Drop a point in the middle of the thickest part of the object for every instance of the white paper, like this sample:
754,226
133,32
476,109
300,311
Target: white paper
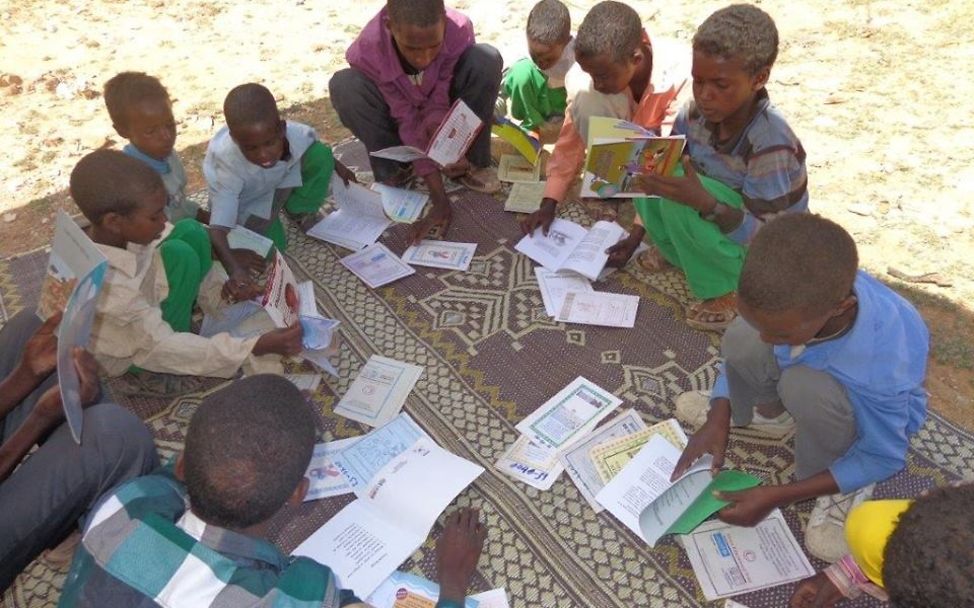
569,415
733,604
360,462
455,134
516,168
325,479
440,254
525,197
245,238
730,560
402,589
599,308
554,285
401,205
379,391
305,382
359,220
569,246
536,465
403,154
579,464
495,598
377,266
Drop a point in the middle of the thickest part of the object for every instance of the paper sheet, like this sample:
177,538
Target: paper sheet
403,154
359,220
359,463
377,266
599,308
554,285
612,456
495,598
454,135
401,205
536,465
379,391
516,168
245,238
440,254
525,197
404,590
305,382
325,480
569,415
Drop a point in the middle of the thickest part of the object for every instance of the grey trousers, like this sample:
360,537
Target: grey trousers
60,481
825,425
362,109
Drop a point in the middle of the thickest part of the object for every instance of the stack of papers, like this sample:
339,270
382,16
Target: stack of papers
379,391
359,220
377,266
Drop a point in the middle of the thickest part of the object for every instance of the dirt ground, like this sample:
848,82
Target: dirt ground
877,91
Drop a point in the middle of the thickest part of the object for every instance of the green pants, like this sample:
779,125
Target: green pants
532,102
711,261
317,165
187,256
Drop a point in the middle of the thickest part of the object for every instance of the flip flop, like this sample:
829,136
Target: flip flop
481,179
652,261
703,318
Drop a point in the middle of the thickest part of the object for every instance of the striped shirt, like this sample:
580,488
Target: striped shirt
765,162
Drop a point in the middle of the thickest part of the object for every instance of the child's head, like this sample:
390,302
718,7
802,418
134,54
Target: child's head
797,277
255,123
608,46
733,51
549,30
247,448
121,196
417,27
141,112
929,559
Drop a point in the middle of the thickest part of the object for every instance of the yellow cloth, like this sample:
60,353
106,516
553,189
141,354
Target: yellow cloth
867,530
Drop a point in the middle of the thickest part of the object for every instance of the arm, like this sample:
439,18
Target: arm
240,283
37,362
882,443
567,160
457,553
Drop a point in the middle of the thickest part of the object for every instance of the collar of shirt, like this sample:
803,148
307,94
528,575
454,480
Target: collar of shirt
241,548
159,166
134,259
730,144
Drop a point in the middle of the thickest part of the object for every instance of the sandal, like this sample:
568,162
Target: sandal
481,179
652,261
714,314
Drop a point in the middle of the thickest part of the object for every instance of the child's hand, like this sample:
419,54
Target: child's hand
620,253
686,190
542,218
240,286
457,169
748,507
49,407
457,553
285,342
345,173
250,260
815,592
40,352
711,439
434,225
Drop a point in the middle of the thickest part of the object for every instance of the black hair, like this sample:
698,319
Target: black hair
250,104
107,181
421,13
549,22
929,558
610,28
799,262
739,30
247,448
126,89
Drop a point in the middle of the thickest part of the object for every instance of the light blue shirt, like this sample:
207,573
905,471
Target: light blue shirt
238,188
881,361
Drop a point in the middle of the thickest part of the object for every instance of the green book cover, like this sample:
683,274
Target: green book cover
707,504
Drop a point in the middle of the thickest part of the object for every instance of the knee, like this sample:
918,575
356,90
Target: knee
742,344
118,442
486,61
801,386
346,89
181,261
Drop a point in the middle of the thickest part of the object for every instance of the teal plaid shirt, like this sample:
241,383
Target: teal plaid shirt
134,554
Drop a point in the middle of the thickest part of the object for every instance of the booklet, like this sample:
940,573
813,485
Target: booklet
618,151
401,205
536,465
241,237
642,497
554,286
440,254
525,143
75,275
525,197
569,415
379,391
610,457
280,297
324,477
513,168
495,598
730,560
570,247
359,220
404,590
578,461
599,308
403,481
449,143
377,266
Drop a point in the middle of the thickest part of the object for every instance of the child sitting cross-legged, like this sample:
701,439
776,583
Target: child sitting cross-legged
823,348
145,309
195,534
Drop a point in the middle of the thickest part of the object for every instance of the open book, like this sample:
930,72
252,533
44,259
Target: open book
525,143
571,247
403,481
642,497
451,141
75,274
618,151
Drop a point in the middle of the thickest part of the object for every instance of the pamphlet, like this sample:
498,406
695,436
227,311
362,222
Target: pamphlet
611,457
536,465
730,560
379,391
401,205
554,286
280,297
642,497
377,266
570,247
440,254
495,598
569,415
514,168
599,308
359,219
324,477
404,590
241,237
525,143
618,151
451,141
525,197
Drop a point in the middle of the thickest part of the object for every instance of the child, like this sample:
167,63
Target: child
617,75
833,347
43,497
915,553
256,165
141,112
204,521
144,312
536,86
409,64
744,165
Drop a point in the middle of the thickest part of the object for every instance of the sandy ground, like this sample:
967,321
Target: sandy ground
877,91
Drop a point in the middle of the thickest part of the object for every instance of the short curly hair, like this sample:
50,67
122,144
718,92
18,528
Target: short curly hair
421,13
126,89
929,559
108,181
250,104
549,22
739,30
610,28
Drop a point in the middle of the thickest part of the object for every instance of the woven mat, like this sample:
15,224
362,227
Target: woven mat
492,356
